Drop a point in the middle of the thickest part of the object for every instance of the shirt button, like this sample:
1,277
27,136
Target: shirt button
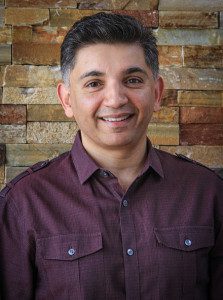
104,173
188,242
130,252
125,202
71,251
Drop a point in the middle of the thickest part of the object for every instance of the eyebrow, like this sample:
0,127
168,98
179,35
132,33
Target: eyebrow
135,70
91,73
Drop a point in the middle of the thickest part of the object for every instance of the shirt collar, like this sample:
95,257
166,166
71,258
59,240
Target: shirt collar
86,166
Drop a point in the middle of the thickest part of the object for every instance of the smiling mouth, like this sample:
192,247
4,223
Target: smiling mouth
116,119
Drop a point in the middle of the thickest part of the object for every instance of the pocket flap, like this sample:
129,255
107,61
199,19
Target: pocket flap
186,238
70,246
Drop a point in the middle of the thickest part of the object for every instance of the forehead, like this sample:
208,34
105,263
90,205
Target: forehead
109,57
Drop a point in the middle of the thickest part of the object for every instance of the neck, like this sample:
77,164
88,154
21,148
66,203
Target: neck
125,163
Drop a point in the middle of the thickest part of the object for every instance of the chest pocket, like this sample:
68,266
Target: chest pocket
64,259
183,257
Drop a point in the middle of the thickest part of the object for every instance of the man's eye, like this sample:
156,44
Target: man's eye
93,84
134,80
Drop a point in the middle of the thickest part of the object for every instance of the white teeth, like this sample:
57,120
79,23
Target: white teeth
115,119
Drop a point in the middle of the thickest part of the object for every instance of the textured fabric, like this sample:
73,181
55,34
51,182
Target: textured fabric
69,232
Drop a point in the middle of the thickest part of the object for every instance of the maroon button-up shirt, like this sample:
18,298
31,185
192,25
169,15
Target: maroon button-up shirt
68,231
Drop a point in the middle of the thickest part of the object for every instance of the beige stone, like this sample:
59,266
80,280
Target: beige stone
142,5
42,3
170,56
15,95
188,19
2,185
118,4
5,35
29,154
51,132
192,79
211,156
191,5
67,17
5,54
32,76
200,98
2,174
12,134
2,72
163,134
166,115
26,16
12,172
2,15
53,113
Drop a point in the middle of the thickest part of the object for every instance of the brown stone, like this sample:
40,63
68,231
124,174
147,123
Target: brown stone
196,115
192,79
211,156
200,98
188,19
170,56
147,18
43,95
5,35
12,172
42,3
169,98
67,17
191,5
5,54
21,34
163,134
166,115
12,114
29,154
51,132
2,154
203,56
11,134
118,4
26,16
201,134
31,76
36,54
52,113
2,72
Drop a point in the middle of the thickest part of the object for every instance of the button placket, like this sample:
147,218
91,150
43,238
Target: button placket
71,251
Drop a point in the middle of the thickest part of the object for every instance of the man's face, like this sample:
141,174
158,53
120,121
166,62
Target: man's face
112,95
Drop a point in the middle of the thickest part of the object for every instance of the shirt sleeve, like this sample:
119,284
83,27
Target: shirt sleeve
16,263
216,257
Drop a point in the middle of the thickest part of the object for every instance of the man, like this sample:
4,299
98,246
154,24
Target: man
113,218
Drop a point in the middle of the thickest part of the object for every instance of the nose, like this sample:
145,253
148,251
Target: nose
115,95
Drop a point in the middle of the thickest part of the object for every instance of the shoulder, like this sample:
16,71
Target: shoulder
33,172
182,163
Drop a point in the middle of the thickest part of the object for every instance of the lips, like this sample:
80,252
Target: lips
115,119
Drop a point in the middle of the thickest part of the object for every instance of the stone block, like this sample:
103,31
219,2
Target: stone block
196,115
188,19
29,154
2,154
50,113
163,134
2,73
2,16
211,156
192,79
2,175
22,34
32,76
12,114
189,36
51,132
5,54
170,56
191,5
221,19
169,98
1,95
13,134
203,56
26,16
67,17
36,54
42,3
2,2
147,18
201,134
118,4
200,98
166,115
17,95
1,186
12,172
5,35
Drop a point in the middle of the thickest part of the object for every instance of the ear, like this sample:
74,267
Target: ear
63,93
159,87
